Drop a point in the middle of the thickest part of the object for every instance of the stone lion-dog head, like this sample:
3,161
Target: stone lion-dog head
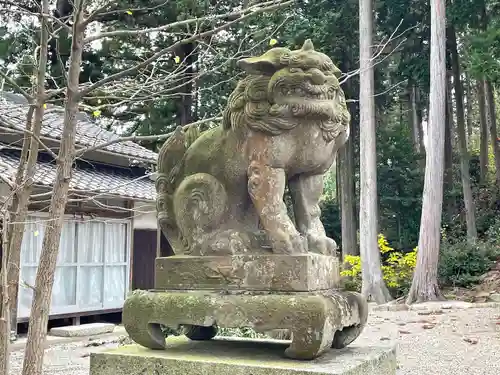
284,87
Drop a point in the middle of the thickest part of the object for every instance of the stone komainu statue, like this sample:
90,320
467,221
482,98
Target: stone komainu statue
240,260
283,125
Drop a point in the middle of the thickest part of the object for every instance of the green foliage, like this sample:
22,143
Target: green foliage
236,332
484,53
397,269
493,234
400,184
330,216
167,331
333,27
240,332
462,263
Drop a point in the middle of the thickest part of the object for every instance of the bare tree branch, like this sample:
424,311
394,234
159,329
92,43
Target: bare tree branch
13,83
211,18
382,46
157,55
103,12
36,137
26,12
136,138
390,88
176,80
35,8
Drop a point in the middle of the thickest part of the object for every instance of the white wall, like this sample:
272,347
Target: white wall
145,215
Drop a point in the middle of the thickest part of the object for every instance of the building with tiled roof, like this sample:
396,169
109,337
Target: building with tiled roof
109,239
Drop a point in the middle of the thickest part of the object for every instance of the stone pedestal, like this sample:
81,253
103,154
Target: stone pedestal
253,272
239,357
317,321
196,295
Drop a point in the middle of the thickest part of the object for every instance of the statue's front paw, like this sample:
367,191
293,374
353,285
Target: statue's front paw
284,243
229,242
321,244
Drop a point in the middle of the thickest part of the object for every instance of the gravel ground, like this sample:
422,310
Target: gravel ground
450,342
62,359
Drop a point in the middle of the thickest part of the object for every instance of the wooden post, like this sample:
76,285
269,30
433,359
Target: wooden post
130,205
158,241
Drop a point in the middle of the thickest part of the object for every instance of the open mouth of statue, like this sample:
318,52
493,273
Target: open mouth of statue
309,92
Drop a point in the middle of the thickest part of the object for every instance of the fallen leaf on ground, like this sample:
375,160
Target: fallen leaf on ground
471,340
435,312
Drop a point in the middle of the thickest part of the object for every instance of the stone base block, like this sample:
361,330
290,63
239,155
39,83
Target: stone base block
255,272
82,330
239,357
317,321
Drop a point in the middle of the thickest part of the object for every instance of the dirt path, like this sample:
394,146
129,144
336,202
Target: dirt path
450,342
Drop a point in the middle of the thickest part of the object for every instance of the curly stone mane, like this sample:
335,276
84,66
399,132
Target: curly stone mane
277,94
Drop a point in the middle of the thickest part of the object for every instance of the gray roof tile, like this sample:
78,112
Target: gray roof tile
92,179
13,111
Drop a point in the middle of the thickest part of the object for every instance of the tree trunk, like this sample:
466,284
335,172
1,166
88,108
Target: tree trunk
5,311
421,161
425,284
26,172
448,146
37,331
185,103
349,240
373,284
450,206
347,189
492,119
18,207
420,125
22,197
483,141
415,120
451,112
470,99
470,210
8,305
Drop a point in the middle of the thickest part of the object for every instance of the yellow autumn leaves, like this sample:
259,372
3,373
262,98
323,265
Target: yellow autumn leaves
397,267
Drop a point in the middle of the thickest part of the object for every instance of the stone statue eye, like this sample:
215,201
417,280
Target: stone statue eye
295,70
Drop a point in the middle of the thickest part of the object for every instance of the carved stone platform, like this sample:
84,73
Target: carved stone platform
233,356
318,321
254,272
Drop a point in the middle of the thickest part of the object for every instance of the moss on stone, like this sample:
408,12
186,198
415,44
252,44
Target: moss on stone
237,357
312,318
258,272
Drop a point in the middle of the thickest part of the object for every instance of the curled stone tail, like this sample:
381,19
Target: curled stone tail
170,159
